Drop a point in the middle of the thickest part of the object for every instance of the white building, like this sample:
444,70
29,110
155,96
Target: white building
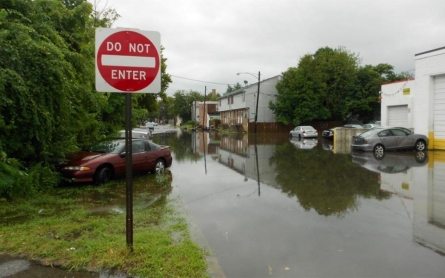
429,104
238,108
419,104
397,102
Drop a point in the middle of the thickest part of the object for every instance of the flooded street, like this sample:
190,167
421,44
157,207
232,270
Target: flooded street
270,206
275,207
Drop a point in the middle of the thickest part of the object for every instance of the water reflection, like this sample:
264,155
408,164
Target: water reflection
148,190
320,208
391,162
304,143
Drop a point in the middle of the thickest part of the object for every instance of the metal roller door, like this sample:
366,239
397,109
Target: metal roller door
398,115
439,112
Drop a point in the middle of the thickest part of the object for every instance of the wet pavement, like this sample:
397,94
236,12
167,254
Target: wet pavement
269,206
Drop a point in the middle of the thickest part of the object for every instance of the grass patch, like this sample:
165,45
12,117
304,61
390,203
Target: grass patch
60,230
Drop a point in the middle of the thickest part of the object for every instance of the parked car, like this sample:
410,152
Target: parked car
381,139
136,133
304,132
105,159
369,126
150,125
391,163
372,124
329,133
304,143
353,126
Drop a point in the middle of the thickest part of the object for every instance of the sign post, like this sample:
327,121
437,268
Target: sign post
128,61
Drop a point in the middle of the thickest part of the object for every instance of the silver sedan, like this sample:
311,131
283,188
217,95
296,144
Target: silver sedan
304,132
381,139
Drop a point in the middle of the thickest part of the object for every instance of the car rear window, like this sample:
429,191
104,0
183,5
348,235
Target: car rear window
367,133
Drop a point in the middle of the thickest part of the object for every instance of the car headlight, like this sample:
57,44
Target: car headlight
76,168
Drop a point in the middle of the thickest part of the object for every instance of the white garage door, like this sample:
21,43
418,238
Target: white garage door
439,110
398,115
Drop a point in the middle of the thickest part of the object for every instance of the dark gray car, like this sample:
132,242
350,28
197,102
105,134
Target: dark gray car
381,139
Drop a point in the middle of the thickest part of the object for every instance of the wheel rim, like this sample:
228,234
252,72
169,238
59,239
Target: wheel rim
420,146
159,167
378,151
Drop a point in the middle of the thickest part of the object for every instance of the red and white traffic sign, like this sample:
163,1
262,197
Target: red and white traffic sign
128,60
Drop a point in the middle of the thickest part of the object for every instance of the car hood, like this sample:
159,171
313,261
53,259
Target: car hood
83,156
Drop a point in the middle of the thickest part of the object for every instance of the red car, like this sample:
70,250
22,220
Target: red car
106,159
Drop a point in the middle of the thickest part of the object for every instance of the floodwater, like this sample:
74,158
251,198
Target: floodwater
270,206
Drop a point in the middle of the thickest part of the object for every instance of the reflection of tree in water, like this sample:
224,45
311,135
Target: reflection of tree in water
329,183
181,146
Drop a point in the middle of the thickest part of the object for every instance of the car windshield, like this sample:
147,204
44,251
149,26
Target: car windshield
108,146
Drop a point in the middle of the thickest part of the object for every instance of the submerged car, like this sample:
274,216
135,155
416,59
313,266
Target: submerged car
304,132
105,159
329,133
379,140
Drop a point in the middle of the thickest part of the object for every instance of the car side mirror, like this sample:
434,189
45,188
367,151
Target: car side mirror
122,154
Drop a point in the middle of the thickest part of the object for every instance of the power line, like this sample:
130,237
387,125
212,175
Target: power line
201,80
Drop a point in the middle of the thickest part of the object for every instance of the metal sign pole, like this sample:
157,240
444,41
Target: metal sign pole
129,171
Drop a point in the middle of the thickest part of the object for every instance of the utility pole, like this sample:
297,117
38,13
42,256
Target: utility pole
257,100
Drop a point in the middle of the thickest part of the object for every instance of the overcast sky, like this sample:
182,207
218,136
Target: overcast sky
207,41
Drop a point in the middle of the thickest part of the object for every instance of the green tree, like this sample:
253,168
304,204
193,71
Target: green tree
232,88
331,85
317,88
182,103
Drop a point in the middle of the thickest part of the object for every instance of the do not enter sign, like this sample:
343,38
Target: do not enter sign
128,61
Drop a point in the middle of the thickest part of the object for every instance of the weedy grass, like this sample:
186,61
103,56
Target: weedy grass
60,231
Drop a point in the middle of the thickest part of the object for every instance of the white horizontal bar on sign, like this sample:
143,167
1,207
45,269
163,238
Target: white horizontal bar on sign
128,61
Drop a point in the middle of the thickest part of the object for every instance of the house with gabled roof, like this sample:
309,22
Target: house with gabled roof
238,108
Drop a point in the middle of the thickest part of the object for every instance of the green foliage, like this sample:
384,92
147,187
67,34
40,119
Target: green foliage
232,88
331,85
48,102
182,103
9,173
16,183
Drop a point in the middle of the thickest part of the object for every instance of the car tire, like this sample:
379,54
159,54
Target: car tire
420,145
103,175
299,136
379,151
159,166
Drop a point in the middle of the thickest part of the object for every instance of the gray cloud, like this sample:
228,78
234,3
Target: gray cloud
211,41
